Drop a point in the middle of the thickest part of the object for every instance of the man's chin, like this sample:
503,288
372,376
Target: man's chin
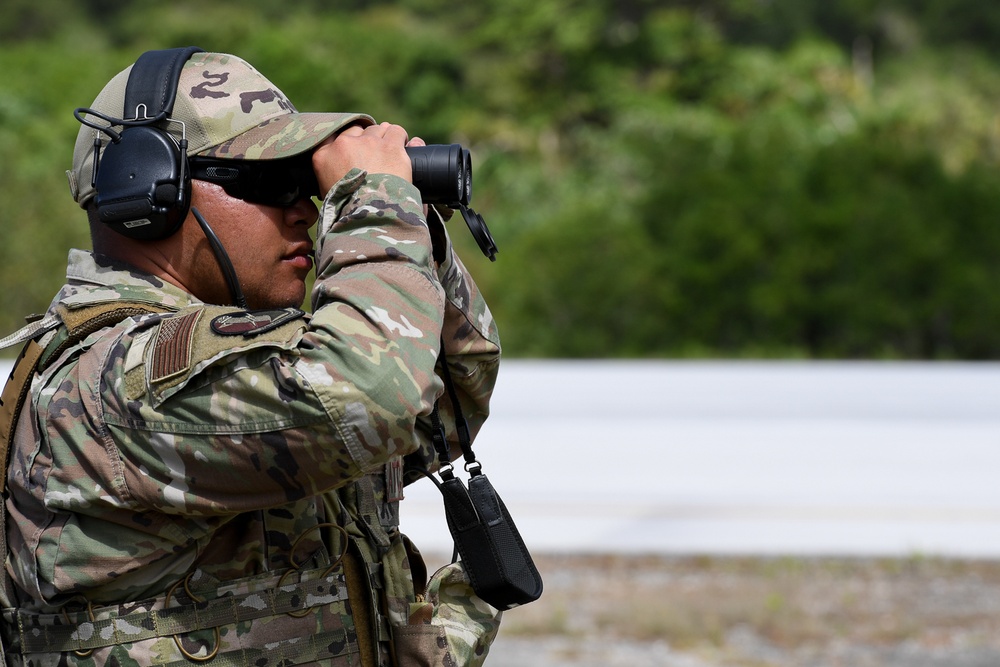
273,301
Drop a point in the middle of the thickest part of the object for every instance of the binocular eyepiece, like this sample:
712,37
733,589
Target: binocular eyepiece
443,175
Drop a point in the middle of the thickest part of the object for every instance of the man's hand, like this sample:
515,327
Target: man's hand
377,149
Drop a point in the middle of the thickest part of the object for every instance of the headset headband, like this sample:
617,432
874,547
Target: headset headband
152,83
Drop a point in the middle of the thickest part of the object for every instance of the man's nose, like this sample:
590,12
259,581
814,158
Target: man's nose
303,211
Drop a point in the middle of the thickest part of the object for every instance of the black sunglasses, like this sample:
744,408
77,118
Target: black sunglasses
278,183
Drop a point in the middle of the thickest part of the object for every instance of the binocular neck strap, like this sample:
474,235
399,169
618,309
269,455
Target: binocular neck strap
461,424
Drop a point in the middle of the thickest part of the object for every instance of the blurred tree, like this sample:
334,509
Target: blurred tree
22,20
710,177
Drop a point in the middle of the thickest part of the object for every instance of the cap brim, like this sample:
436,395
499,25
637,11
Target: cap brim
285,136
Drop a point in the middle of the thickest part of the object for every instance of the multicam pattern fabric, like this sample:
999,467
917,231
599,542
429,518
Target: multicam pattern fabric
264,620
224,108
451,619
159,454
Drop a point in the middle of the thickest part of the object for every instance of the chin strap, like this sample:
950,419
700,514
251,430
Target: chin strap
228,272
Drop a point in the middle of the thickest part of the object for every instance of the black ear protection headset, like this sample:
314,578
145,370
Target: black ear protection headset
142,179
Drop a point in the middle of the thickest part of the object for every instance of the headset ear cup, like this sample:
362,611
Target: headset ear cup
142,189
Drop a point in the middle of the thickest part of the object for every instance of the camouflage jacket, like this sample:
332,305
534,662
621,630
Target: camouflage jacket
199,453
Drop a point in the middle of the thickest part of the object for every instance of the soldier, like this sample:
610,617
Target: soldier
201,471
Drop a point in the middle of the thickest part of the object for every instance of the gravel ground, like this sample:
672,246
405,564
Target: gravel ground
746,612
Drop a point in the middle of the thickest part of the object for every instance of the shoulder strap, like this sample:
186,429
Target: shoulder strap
11,401
81,322
34,329
78,324
13,396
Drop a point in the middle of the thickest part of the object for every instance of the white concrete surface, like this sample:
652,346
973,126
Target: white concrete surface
742,458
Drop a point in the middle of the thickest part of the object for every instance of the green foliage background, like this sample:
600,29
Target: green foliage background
728,178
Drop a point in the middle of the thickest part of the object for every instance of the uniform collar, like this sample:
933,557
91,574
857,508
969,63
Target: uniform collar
93,278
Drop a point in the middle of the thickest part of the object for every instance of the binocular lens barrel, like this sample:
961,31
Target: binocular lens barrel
442,173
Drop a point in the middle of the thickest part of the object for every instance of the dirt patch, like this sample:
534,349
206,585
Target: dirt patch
757,612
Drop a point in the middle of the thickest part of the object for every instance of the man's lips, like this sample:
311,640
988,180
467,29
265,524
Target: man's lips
300,258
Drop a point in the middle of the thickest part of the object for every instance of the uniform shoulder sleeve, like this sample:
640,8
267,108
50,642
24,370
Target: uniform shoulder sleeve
184,344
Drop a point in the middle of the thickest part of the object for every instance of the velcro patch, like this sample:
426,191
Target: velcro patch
394,479
252,323
172,349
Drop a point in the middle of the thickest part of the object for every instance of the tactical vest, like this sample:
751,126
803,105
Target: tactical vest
352,603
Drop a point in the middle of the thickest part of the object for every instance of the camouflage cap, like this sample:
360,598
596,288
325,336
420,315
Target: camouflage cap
228,110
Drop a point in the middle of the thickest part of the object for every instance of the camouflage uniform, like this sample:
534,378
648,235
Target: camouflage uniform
200,484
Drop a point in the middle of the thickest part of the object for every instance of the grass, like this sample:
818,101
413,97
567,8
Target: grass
784,604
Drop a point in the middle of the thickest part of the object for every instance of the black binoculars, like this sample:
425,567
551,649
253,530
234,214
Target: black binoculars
443,175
